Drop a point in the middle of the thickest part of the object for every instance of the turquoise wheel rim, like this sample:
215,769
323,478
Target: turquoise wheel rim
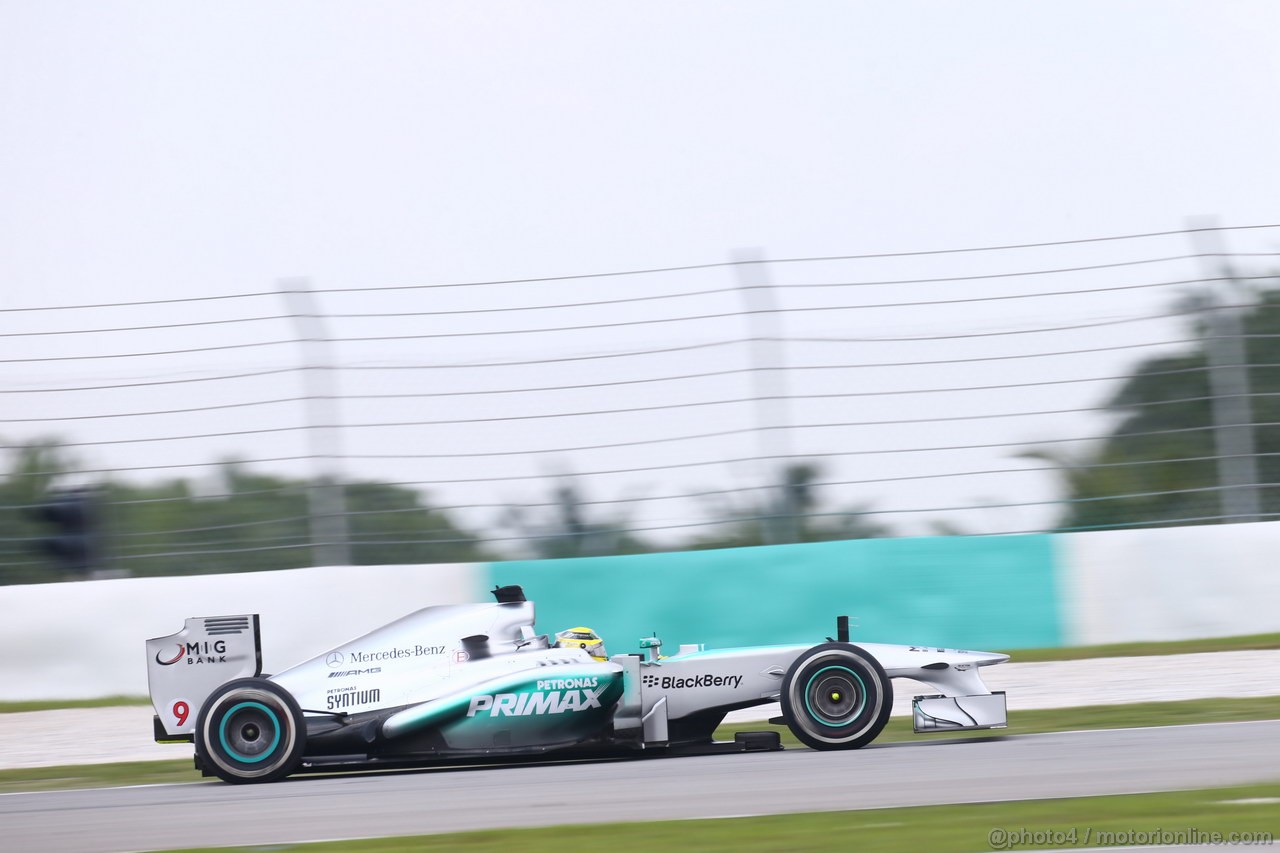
252,720
830,694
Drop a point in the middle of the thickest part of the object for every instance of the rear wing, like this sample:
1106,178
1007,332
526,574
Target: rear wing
184,668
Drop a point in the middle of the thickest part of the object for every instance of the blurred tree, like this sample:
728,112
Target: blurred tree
1158,462
788,513
566,529
391,524
254,522
32,471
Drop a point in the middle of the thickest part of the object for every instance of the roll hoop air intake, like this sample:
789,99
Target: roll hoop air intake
513,594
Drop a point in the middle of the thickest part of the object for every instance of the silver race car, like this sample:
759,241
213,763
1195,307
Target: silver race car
476,682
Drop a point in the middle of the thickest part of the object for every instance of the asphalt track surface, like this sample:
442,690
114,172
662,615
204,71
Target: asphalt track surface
919,772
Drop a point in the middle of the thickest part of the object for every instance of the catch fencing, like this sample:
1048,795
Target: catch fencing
755,400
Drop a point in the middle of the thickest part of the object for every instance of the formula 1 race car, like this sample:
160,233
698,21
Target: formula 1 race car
459,683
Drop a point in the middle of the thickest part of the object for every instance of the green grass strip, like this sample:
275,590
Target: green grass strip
1017,825
99,775
60,704
1248,642
899,729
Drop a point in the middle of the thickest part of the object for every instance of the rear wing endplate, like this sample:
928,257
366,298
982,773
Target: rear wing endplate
184,668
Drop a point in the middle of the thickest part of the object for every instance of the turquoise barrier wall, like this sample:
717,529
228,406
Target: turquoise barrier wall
994,592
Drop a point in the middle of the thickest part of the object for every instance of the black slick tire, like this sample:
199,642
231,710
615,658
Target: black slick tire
836,696
250,730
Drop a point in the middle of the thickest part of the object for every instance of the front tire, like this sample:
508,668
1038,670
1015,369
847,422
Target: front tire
250,730
836,696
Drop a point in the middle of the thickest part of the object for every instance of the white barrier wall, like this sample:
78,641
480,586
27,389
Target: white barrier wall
85,639
1172,583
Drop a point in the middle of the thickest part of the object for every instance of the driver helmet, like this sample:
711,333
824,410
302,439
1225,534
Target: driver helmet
582,638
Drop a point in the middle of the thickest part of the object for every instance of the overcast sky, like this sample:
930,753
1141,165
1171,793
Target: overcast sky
167,149
162,147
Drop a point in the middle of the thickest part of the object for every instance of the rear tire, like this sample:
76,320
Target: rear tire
836,696
250,730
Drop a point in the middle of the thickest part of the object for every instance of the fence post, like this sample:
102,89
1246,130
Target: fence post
768,377
326,498
1229,388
